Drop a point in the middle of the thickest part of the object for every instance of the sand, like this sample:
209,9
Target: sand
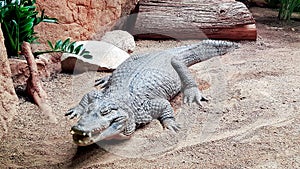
251,121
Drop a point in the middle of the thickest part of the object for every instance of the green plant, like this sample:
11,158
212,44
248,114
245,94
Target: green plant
273,3
66,47
286,9
18,18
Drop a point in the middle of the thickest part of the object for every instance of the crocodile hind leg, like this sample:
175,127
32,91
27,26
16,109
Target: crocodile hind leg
189,86
161,109
78,110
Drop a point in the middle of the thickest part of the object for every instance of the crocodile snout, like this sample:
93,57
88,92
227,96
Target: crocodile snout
77,129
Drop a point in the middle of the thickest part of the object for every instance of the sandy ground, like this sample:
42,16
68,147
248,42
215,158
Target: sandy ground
251,121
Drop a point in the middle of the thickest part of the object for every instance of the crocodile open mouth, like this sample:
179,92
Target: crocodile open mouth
85,138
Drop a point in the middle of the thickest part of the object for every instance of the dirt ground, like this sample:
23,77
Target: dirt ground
251,121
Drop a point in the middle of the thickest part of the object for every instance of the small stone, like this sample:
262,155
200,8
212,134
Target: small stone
263,107
242,98
236,121
120,39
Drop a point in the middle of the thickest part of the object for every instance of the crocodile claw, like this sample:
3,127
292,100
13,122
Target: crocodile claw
74,112
171,125
102,82
193,95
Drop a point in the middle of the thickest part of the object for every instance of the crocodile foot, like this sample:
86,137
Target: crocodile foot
74,112
171,125
102,82
193,95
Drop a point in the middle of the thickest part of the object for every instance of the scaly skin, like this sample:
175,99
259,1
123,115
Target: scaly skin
139,91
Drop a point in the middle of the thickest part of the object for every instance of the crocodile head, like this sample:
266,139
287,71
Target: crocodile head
101,120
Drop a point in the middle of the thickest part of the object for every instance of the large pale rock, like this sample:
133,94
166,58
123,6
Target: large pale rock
105,57
120,39
8,97
81,19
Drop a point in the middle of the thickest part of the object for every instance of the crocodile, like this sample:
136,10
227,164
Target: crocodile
139,90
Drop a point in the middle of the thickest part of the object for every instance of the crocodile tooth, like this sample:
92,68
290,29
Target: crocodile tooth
80,141
84,134
90,134
72,132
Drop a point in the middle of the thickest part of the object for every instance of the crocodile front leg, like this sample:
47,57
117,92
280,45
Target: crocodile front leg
189,86
78,110
102,82
161,109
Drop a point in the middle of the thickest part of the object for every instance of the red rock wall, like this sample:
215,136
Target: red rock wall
81,19
8,97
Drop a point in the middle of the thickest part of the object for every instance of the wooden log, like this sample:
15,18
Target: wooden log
191,19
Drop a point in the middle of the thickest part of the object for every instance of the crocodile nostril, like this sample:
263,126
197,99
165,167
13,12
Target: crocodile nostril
77,129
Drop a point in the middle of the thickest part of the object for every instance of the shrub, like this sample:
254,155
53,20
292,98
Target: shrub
18,18
66,47
287,8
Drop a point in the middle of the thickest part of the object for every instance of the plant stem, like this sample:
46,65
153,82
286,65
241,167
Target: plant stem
47,51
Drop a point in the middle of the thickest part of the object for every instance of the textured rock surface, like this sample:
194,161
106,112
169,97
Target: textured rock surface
47,64
8,97
105,57
81,19
120,39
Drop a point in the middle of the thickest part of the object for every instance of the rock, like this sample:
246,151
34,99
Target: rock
105,57
8,97
120,39
81,20
128,6
48,65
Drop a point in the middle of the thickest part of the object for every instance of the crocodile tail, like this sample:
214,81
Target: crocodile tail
204,50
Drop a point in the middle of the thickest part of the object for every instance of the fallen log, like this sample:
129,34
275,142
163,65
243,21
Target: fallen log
190,19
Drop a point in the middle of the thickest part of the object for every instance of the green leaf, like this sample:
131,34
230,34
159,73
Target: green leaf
27,8
83,52
11,39
50,44
78,49
27,26
71,47
88,56
17,36
40,19
65,44
58,45
50,20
